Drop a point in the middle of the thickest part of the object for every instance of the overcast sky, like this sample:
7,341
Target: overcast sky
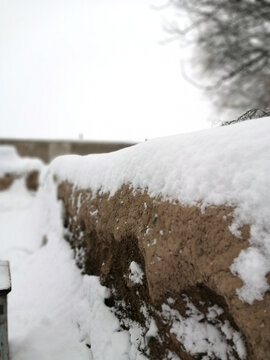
92,67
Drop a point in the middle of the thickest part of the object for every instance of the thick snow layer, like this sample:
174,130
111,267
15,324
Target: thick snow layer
12,163
227,165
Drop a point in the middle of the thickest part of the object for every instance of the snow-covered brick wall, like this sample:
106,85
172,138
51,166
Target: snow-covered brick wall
222,166
192,211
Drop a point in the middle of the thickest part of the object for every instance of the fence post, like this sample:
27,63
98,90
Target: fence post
5,287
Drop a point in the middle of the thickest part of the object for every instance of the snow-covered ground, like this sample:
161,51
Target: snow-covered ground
55,312
44,282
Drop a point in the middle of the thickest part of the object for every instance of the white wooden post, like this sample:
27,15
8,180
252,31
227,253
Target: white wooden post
5,287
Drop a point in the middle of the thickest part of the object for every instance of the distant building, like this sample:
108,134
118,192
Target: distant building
49,149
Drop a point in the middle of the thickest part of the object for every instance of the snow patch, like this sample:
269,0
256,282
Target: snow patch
252,267
136,273
214,338
94,212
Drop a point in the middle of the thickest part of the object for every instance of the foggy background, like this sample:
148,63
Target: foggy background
94,69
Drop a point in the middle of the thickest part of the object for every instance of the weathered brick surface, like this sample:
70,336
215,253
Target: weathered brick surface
182,251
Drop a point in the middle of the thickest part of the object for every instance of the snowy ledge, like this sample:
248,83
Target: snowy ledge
222,166
11,163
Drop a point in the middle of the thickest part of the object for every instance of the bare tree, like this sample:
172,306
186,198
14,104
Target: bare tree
232,42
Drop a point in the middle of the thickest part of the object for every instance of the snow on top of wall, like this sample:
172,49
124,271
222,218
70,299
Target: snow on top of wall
12,163
226,165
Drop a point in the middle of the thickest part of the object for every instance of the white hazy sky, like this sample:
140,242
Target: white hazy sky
95,67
